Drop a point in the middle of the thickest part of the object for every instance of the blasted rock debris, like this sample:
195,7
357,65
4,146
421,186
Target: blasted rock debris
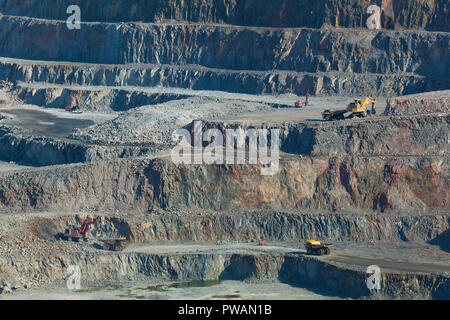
430,102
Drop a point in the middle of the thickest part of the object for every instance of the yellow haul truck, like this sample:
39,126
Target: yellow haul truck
114,244
317,247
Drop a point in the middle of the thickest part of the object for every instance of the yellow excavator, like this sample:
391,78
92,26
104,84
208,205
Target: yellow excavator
356,108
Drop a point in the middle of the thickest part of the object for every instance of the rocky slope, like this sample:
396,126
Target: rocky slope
243,59
428,14
294,269
285,226
429,102
381,184
200,78
23,147
226,47
374,136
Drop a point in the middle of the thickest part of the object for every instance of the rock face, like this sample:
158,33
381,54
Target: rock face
383,164
199,78
300,270
326,61
26,149
238,56
360,56
381,136
429,102
392,136
420,14
225,47
101,100
283,226
391,184
37,151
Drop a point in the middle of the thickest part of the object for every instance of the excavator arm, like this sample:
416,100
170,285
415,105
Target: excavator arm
366,102
86,224
355,108
82,231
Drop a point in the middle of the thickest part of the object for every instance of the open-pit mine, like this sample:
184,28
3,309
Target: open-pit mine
94,205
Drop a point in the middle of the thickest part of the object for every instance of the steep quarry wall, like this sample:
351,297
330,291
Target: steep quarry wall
294,269
380,184
241,54
381,136
223,57
202,78
381,179
397,163
38,151
30,150
100,99
242,59
392,136
418,14
359,51
284,226
314,183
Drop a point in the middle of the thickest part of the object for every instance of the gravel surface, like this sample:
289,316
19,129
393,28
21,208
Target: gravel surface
156,123
224,290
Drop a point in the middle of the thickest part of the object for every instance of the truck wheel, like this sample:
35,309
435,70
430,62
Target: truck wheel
59,236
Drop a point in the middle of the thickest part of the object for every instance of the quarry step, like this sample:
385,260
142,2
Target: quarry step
203,78
409,249
362,183
282,13
301,50
54,95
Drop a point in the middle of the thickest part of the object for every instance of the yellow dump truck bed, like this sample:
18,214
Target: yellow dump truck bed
114,244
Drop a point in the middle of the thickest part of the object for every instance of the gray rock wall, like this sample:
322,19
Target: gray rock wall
404,184
359,51
429,102
201,78
298,270
282,13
